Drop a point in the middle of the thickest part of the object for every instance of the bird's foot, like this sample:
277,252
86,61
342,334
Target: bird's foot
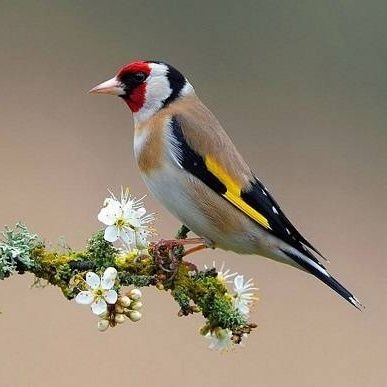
168,253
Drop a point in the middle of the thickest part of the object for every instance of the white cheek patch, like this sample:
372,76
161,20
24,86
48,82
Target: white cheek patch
157,91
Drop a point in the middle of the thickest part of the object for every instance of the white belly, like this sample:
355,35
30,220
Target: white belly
175,189
171,189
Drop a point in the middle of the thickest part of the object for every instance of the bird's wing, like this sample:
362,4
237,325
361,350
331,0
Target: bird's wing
216,169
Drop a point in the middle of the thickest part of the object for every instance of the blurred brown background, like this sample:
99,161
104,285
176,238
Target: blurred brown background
300,86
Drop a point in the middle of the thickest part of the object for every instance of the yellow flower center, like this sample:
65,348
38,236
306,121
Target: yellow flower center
120,223
98,293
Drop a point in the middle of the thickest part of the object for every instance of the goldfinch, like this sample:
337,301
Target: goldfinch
192,167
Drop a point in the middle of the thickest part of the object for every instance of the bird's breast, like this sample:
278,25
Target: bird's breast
149,145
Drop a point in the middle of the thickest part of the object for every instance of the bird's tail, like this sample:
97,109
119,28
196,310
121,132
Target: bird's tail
321,273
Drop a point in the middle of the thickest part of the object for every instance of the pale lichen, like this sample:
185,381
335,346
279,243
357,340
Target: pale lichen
15,248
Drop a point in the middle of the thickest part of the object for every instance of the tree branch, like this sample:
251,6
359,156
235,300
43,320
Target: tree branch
161,265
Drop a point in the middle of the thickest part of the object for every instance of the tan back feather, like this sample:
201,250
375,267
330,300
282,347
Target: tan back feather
206,136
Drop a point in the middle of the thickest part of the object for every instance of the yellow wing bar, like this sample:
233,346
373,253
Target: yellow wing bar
233,193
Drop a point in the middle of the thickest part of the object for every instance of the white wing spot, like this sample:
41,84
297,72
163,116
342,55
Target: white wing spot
264,192
287,230
274,210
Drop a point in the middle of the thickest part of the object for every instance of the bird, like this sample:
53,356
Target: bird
190,164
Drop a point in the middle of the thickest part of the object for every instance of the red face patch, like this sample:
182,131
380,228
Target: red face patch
136,99
135,88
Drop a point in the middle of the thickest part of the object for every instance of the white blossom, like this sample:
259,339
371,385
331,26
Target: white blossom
220,339
126,220
244,298
99,292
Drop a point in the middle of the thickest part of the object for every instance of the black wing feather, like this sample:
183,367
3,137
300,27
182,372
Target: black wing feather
258,197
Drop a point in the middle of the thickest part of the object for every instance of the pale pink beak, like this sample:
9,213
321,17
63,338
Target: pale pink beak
112,86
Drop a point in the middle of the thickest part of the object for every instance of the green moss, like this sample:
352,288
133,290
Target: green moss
135,263
220,311
127,279
182,297
183,277
53,258
209,294
58,275
56,268
101,251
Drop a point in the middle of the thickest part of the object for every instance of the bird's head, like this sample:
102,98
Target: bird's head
146,87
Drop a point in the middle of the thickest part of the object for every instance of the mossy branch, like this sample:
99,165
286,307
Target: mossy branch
162,265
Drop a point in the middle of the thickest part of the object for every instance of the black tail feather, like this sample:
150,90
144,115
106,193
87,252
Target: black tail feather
325,277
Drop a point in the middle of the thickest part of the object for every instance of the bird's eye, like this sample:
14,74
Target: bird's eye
139,77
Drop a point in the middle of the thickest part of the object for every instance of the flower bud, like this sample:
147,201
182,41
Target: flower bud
124,301
205,330
136,305
118,308
134,315
135,294
102,325
195,309
220,333
119,318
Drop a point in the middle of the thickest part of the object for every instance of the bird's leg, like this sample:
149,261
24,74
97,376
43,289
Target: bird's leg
195,249
190,241
171,243
180,240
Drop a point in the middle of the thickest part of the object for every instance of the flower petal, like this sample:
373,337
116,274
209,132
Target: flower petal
105,217
111,233
99,307
92,280
220,340
127,235
238,283
110,212
224,274
128,211
84,298
108,278
141,240
244,310
110,296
